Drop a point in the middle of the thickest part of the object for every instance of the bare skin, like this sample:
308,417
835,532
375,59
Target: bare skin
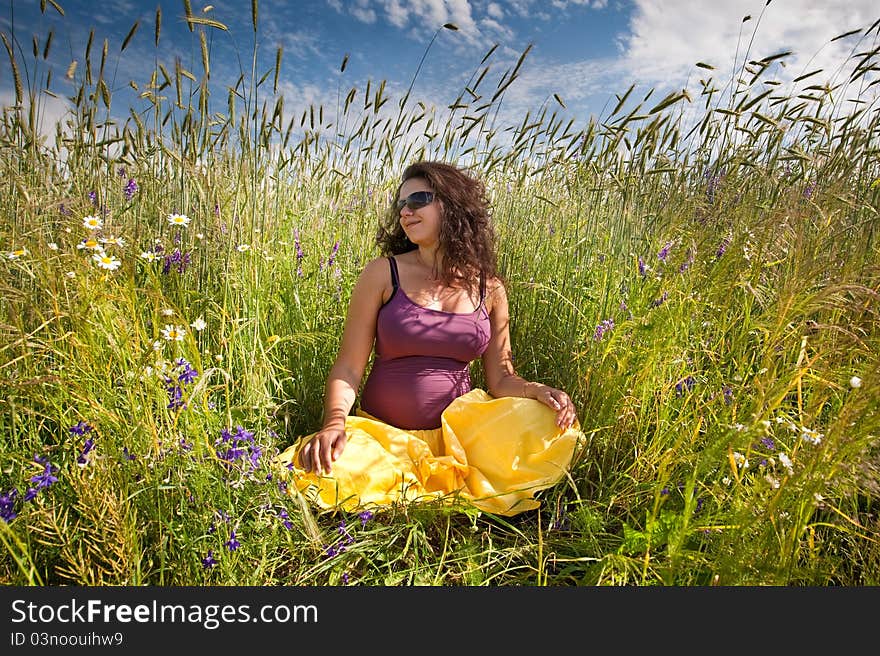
373,289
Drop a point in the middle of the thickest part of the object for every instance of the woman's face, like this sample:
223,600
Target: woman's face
422,224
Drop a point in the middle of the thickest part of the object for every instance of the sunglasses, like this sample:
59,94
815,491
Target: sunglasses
416,200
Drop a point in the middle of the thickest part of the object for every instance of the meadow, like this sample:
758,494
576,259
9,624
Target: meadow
699,272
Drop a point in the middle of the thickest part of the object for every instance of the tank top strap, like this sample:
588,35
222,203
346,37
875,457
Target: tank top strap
482,287
395,280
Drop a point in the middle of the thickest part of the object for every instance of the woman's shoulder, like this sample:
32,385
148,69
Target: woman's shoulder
495,292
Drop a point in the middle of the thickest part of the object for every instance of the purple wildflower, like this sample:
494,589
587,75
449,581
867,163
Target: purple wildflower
179,260
605,326
30,495
126,455
93,196
46,477
685,385
80,429
768,443
722,248
7,505
643,270
208,561
64,210
664,252
657,302
83,458
365,516
130,188
333,254
728,395
688,260
232,544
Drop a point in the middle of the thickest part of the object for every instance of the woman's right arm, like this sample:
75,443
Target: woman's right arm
345,375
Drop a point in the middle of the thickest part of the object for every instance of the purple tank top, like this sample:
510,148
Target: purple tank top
422,359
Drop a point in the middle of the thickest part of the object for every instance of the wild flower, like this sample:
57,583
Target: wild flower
768,443
52,246
180,220
740,460
208,561
855,382
84,458
365,516
688,260
173,333
657,302
188,374
45,478
232,543
604,327
7,505
722,248
685,385
108,262
179,260
199,325
811,436
786,462
664,252
90,244
113,241
16,254
333,252
149,256
727,392
130,189
241,248
643,268
299,253
285,517
93,222
93,197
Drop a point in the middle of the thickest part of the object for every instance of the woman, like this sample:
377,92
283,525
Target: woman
432,304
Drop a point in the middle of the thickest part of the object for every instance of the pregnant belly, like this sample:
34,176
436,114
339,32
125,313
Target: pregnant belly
411,393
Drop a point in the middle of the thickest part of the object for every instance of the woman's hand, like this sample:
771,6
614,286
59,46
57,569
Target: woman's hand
558,401
322,450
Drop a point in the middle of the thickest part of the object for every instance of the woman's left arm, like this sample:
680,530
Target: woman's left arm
500,374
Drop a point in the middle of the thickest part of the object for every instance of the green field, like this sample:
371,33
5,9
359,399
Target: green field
699,272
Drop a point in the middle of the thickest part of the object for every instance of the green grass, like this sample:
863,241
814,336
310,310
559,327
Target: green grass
737,347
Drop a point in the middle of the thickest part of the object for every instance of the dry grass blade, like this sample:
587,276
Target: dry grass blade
129,36
19,93
187,8
158,25
203,43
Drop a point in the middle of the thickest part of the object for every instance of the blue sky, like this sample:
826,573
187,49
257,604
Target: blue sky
585,51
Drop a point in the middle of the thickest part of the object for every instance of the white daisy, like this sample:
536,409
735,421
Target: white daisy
175,333
149,256
52,246
93,222
199,324
167,312
14,255
106,261
241,248
91,244
179,220
113,241
786,462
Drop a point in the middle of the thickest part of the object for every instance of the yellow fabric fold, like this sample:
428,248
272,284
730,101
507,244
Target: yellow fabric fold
493,453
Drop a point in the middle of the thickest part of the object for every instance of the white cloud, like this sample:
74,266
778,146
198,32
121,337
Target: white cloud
668,37
494,10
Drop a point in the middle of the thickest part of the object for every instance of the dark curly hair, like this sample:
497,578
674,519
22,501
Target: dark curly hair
467,236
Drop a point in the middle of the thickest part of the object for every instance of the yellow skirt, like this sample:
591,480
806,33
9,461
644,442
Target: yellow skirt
492,453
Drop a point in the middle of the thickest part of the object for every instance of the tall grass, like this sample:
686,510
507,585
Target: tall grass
700,273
